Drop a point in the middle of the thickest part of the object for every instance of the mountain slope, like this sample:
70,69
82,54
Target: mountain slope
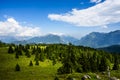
96,39
7,39
68,39
113,49
46,39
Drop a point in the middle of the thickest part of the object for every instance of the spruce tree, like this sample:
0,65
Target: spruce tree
16,55
30,64
27,53
33,50
53,61
56,78
10,49
104,64
37,62
116,63
42,58
17,67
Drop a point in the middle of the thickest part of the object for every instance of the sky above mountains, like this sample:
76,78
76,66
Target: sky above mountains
62,17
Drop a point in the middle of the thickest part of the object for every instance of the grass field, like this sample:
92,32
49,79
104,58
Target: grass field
45,70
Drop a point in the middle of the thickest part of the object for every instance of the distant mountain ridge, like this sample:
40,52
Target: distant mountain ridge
7,39
48,39
96,39
112,49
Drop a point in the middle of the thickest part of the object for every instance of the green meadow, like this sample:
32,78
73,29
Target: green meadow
44,71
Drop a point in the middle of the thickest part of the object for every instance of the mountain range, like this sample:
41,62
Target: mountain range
94,39
112,49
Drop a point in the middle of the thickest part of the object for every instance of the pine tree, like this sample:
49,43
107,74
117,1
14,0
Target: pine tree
56,78
16,55
53,61
104,64
27,53
68,61
17,67
37,62
33,50
42,58
116,63
30,64
10,49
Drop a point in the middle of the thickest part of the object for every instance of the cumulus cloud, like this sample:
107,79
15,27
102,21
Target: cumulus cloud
102,14
11,27
95,1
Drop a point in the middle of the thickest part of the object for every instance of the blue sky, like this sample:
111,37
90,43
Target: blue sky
63,17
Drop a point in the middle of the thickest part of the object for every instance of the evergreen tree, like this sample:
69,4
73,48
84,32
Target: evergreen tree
30,64
56,78
93,64
10,49
53,61
68,62
36,56
17,67
16,55
33,50
104,64
42,57
116,63
37,62
27,53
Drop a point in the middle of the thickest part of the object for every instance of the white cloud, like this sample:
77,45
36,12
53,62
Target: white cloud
11,27
107,12
95,1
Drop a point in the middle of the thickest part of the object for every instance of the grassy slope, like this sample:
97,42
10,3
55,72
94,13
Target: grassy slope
45,71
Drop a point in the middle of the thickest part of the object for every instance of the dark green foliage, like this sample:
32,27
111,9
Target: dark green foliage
42,57
61,70
33,50
37,62
18,50
68,62
10,49
30,64
17,67
2,44
103,64
56,78
16,55
27,46
73,58
53,61
70,78
36,56
79,68
27,53
116,63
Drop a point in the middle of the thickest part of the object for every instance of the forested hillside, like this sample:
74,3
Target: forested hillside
57,60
